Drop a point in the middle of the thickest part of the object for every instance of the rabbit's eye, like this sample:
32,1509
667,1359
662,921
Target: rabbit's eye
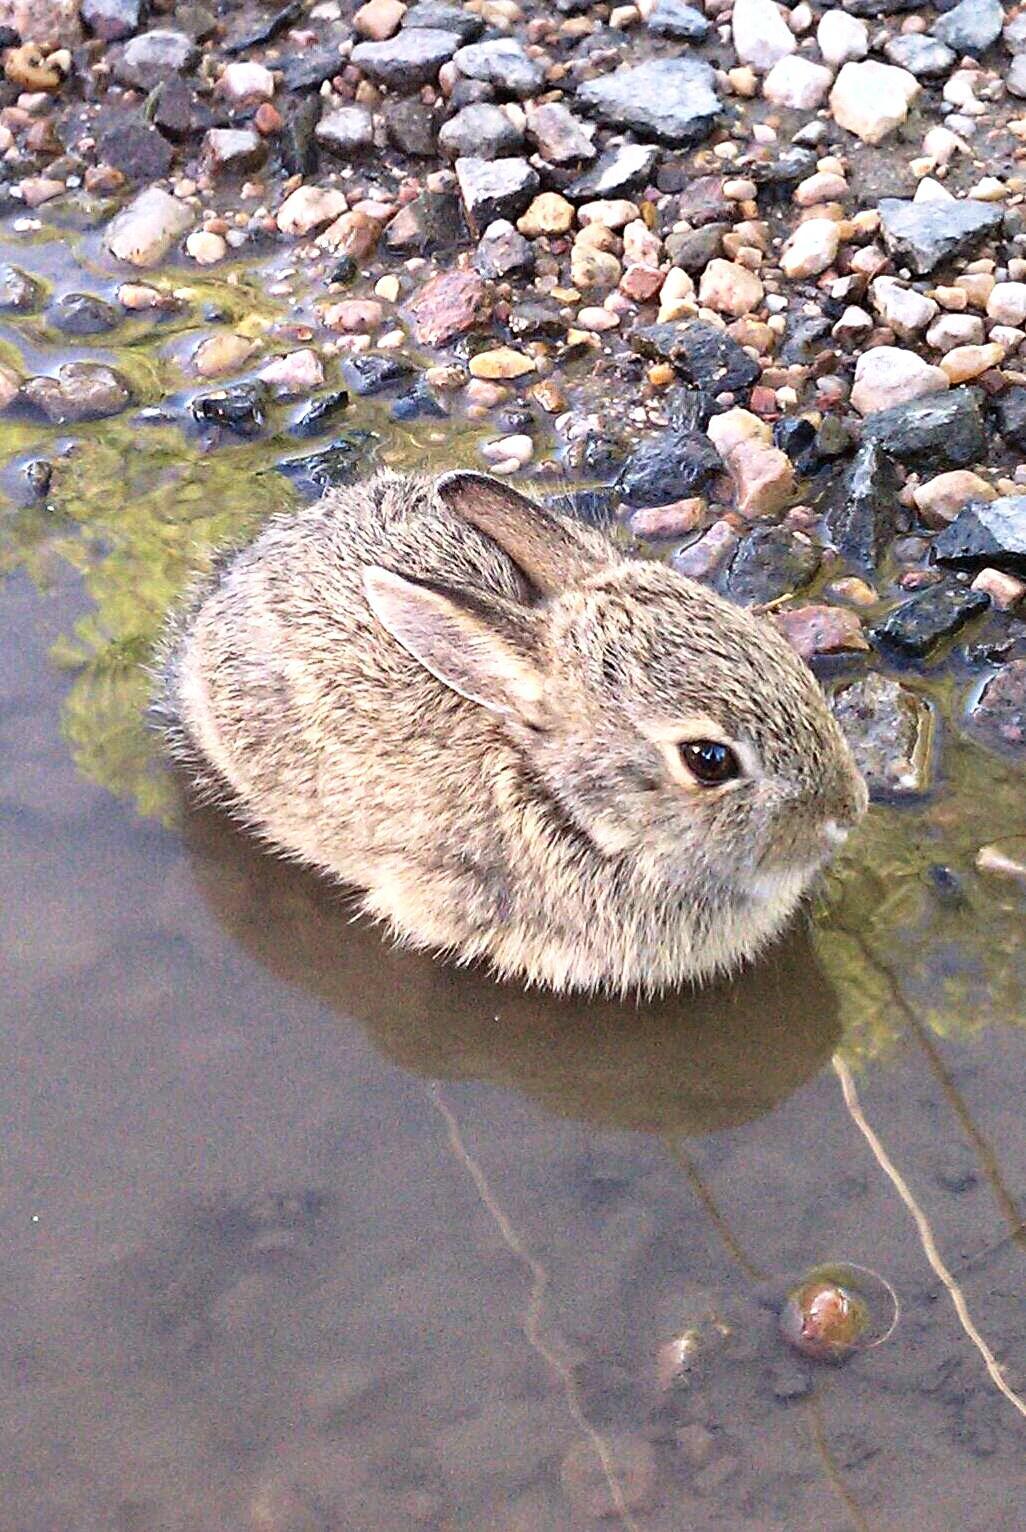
710,761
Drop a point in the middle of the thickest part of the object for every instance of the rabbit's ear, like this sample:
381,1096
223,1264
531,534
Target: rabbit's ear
481,646
550,551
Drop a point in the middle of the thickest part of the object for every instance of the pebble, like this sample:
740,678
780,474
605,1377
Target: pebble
412,58
811,248
309,208
871,99
940,499
379,19
294,375
451,302
482,130
144,231
1006,303
1006,591
819,629
963,363
221,354
706,556
508,450
503,362
760,34
888,375
244,81
548,213
842,38
905,310
206,249
798,83
354,316
671,100
495,189
502,63
673,520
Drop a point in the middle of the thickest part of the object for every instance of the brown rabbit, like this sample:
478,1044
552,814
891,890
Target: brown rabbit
521,746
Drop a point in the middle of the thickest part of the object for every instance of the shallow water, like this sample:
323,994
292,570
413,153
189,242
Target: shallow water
301,1233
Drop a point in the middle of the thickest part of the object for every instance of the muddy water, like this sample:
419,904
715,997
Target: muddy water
300,1233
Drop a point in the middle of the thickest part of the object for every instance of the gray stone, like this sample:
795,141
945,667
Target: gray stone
233,151
923,234
919,624
18,290
703,355
1015,34
482,131
413,57
890,731
153,57
504,64
346,132
137,150
112,19
179,112
239,409
671,100
675,18
941,431
1015,79
972,26
619,171
308,71
990,533
495,189
341,463
444,18
693,250
558,135
83,314
770,562
80,391
1010,409
668,467
868,513
920,54
432,224
999,717
412,126
503,252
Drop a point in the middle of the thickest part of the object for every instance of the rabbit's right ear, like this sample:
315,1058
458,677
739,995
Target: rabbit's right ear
551,552
480,645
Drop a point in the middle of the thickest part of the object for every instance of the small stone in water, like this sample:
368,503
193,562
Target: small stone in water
824,1321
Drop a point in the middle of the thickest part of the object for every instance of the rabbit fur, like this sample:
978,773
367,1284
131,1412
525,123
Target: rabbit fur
471,709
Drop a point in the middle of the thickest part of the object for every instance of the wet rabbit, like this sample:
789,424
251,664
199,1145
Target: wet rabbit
522,747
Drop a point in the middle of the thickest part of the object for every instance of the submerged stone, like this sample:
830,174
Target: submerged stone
340,464
239,409
890,731
919,624
374,372
80,391
770,562
317,416
999,717
83,314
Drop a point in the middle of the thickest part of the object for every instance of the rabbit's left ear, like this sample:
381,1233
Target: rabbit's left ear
482,646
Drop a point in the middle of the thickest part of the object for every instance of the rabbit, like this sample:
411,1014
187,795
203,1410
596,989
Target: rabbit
519,745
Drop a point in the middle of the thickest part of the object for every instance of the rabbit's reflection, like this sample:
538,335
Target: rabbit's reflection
689,1063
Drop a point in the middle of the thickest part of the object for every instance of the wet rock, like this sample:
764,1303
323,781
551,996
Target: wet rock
770,562
701,354
992,533
112,19
178,110
375,372
924,234
239,409
413,57
922,56
672,100
155,56
548,213
813,630
942,431
346,132
693,251
890,730
761,35
309,208
503,252
501,189
919,624
588,1481
445,18
871,99
80,391
144,231
618,171
340,464
449,303
940,499
868,515
233,151
83,314
999,717
412,126
429,225
668,467
559,136
1010,409
675,18
706,556
308,70
502,63
319,414
138,151
480,131
501,364
972,26
19,291
221,354
292,376
419,402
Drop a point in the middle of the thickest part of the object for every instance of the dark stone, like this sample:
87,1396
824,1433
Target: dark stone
267,29
803,337
919,624
179,112
702,354
18,290
668,467
341,463
469,93
495,189
374,372
239,408
674,18
504,253
83,314
534,319
233,151
921,55
137,150
412,126
790,1381
411,58
922,235
317,416
1010,409
889,729
785,169
153,57
694,249
432,224
482,130
502,63
702,201
595,455
39,477
999,717
80,391
880,7
345,132
419,402
770,562
618,172
990,533
947,887
308,71
344,271
942,431
558,135
972,26
298,146
112,19
444,18
834,438
796,436
672,100
868,513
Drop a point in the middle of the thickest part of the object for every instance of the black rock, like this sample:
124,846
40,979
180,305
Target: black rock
83,314
179,112
972,26
999,717
618,172
344,271
941,431
317,416
796,436
702,354
595,455
919,624
39,477
412,126
990,533
1010,409
432,224
444,18
495,189
770,562
693,249
668,467
266,29
137,150
923,234
309,70
112,19
153,57
239,408
785,169
419,402
337,465
374,372
412,57
298,146
504,253
672,100
922,56
18,290
675,18
482,130
868,513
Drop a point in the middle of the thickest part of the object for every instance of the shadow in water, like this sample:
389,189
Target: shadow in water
688,1063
